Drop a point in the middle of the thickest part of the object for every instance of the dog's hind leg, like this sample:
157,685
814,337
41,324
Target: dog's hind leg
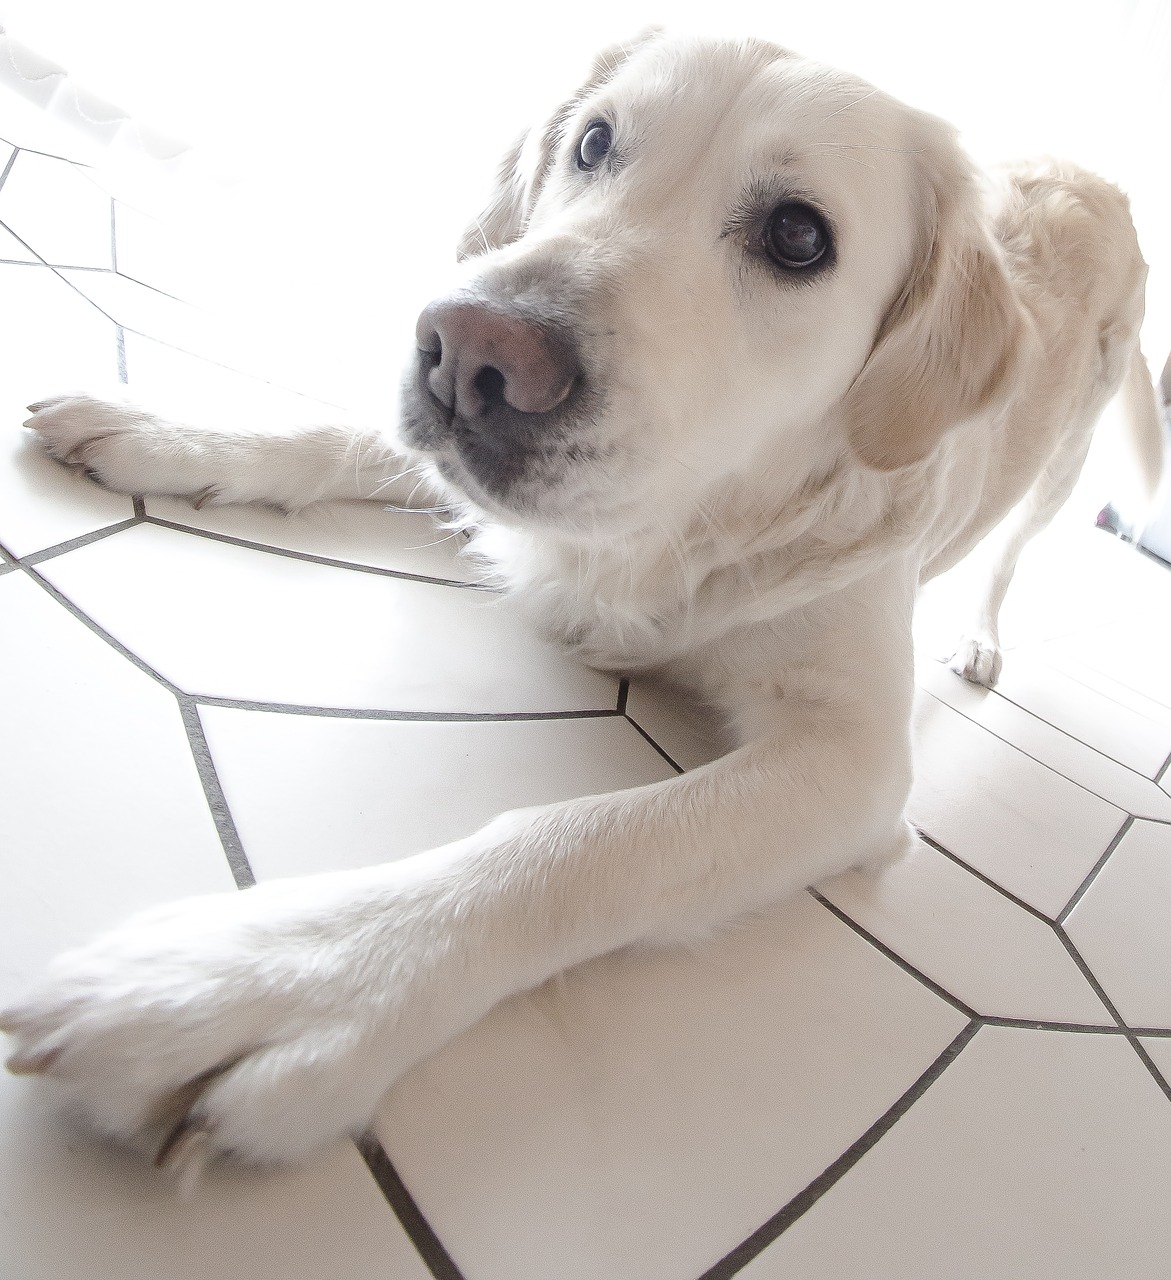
977,656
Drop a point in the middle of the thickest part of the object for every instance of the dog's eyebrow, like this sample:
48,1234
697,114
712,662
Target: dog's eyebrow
760,197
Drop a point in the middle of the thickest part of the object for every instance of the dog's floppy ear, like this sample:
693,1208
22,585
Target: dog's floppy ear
523,170
948,347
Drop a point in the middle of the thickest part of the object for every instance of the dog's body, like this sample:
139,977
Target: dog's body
740,355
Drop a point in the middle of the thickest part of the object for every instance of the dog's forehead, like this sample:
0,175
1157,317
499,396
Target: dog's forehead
757,108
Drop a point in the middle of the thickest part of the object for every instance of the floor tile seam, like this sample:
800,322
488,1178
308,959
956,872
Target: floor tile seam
1078,677
402,716
1130,1034
8,166
623,694
49,155
213,792
1053,769
937,989
755,1244
59,549
219,364
75,611
1073,737
1027,907
1094,872
58,272
1163,770
44,264
309,557
679,769
410,1217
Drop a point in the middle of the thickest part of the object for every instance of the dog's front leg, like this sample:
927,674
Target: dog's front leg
266,1023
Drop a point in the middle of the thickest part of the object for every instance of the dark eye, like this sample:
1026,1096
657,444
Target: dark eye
595,145
796,235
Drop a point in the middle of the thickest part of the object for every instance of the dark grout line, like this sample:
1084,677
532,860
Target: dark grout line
1163,770
1040,1024
57,272
1081,786
6,566
1080,891
213,792
677,767
1128,1032
893,956
139,506
420,1232
120,344
623,694
780,1222
979,875
49,155
328,561
98,631
82,540
1153,1033
8,166
416,717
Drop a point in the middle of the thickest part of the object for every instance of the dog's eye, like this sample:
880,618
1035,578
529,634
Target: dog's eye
795,235
595,145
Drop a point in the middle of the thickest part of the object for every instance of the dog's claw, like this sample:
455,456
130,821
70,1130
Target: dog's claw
32,1062
203,497
185,1153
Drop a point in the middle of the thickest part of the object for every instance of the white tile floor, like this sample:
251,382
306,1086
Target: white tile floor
957,1069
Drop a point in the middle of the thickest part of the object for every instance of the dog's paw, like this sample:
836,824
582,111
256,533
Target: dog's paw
115,443
978,660
231,1025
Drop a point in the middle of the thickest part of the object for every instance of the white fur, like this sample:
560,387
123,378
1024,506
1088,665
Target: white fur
777,466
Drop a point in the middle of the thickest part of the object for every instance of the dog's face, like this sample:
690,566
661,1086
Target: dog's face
714,256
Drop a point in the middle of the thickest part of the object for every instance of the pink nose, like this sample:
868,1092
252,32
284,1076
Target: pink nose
483,356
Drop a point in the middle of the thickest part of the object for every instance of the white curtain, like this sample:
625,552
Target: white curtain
351,130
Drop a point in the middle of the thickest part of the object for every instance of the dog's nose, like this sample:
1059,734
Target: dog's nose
482,357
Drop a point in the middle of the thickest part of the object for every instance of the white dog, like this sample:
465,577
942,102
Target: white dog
743,352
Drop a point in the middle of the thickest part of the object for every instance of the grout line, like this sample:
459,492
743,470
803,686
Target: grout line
1015,746
8,166
120,343
63,278
623,694
1079,892
213,792
1154,1033
677,767
420,1232
1163,770
421,717
82,540
49,155
893,956
1036,1024
99,631
247,543
6,566
780,1222
1129,1033
979,875
139,506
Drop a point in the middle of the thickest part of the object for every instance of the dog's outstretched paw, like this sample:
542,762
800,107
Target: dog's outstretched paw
220,1026
978,660
107,440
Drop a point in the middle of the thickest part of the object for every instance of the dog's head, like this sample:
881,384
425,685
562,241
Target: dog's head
712,258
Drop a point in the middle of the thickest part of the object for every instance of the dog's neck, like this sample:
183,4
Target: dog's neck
752,552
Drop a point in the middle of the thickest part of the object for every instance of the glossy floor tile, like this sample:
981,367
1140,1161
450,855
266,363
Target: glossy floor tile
955,1068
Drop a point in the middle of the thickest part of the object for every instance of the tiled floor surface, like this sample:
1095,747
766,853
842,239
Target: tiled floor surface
957,1069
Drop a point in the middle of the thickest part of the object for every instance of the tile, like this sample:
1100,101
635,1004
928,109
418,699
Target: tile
1138,737
356,532
310,793
61,216
637,1117
1134,656
1120,926
231,622
1036,1154
158,251
102,809
73,1210
1094,772
688,732
1159,1047
11,249
983,949
1021,824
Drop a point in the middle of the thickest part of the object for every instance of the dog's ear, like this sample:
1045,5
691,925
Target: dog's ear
948,347
524,168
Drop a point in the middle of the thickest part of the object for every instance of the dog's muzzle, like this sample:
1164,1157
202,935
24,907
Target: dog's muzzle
492,386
